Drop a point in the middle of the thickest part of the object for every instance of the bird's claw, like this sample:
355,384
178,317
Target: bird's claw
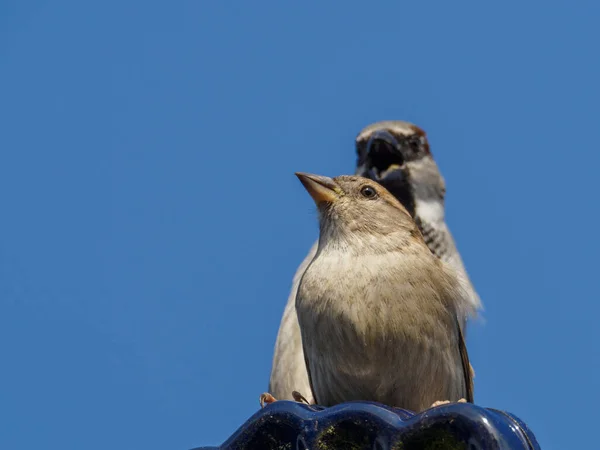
445,402
266,399
299,397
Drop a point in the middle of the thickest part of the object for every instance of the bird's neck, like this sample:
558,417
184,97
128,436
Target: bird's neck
429,209
356,243
426,188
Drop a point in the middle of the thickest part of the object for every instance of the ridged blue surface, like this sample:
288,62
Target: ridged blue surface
366,425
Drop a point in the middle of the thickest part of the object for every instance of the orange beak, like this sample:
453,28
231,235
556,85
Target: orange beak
321,189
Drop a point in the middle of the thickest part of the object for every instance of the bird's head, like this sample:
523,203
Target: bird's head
355,210
396,154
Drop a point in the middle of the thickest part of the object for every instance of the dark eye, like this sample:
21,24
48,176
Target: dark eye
415,143
368,192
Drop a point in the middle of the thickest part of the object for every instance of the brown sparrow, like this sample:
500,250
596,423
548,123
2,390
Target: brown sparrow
378,312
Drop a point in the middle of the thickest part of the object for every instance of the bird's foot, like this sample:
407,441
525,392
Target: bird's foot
299,397
445,402
266,399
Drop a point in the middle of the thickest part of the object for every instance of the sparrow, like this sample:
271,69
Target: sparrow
378,311
397,155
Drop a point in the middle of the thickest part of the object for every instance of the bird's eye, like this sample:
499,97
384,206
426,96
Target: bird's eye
415,143
368,192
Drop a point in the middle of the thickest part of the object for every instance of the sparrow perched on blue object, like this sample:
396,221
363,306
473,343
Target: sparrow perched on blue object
378,311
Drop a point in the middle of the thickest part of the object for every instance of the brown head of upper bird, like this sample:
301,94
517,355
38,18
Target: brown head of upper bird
378,312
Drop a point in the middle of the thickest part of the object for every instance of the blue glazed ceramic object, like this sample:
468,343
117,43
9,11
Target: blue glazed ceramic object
366,425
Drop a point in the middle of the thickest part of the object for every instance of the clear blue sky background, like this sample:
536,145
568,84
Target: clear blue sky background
151,220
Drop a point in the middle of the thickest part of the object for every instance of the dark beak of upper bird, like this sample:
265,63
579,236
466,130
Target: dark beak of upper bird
383,151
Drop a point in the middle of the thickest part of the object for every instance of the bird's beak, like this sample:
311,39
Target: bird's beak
382,135
382,156
321,189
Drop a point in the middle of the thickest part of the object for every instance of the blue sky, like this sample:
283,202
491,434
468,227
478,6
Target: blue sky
152,222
